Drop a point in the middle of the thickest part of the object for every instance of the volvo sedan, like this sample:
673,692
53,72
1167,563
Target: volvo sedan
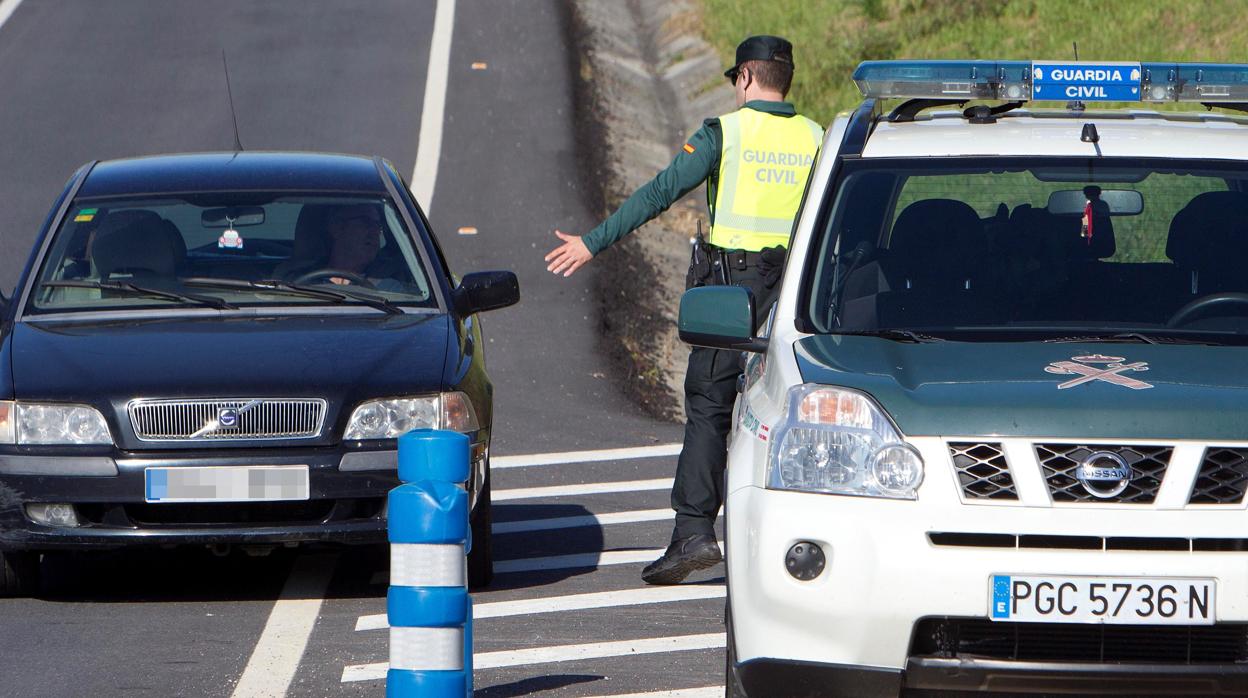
221,349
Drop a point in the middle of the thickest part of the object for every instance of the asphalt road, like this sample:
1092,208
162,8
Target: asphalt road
81,80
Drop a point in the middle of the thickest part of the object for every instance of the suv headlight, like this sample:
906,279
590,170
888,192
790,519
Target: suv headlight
39,424
839,441
392,418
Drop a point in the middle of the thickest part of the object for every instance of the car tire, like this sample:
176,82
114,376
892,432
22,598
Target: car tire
19,573
481,557
732,684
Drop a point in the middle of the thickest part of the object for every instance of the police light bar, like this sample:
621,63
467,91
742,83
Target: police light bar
1022,81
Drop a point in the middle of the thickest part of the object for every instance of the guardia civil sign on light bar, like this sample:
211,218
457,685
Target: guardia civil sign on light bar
1086,82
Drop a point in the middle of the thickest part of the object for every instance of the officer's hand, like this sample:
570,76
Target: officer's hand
569,256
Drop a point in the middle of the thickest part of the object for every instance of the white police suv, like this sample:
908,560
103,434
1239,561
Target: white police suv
993,437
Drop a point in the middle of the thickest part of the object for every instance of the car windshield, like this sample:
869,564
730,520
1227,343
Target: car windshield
999,249
229,251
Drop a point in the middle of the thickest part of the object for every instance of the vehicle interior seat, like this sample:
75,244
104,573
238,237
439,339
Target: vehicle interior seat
937,266
1208,242
134,244
310,247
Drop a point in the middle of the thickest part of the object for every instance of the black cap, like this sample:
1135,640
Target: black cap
761,48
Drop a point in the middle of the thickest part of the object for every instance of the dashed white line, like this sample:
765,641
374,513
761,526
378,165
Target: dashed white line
429,146
575,602
562,653
276,657
582,521
6,10
561,562
584,456
663,483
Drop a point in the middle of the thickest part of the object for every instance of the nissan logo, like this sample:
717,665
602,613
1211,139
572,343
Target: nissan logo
1104,475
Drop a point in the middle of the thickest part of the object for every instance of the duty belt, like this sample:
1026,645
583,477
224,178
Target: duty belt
739,260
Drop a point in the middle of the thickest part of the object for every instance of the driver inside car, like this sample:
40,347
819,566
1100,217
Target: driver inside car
353,237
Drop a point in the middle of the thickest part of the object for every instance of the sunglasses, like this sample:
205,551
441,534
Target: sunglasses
732,75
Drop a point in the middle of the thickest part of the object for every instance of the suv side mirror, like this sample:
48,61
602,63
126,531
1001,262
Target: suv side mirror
486,290
720,317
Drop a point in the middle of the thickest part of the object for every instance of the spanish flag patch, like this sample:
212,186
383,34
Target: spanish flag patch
689,149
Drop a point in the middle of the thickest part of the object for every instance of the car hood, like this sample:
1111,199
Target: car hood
342,358
1013,389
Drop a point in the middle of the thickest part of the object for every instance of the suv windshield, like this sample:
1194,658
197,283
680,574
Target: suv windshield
1018,248
231,250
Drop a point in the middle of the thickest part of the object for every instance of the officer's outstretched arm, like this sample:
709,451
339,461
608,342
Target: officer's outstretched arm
568,257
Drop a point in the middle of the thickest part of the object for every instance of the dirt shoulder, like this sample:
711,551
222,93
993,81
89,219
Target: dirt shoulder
647,82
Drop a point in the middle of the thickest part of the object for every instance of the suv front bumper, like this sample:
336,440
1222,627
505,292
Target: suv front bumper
884,574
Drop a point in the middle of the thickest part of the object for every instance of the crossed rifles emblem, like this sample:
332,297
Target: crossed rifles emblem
1098,367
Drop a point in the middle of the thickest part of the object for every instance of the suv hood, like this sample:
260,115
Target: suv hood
1003,389
342,358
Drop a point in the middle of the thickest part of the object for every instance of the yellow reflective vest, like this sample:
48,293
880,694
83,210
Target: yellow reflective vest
763,165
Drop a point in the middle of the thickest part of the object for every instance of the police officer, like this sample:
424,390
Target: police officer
755,162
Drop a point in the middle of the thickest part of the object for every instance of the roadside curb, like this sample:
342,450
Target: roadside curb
647,81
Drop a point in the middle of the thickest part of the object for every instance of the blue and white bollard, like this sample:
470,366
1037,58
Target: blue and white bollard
428,606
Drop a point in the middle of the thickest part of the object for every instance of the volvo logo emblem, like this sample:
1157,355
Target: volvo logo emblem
227,417
1104,474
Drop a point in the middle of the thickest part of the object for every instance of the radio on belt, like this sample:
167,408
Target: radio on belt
1022,81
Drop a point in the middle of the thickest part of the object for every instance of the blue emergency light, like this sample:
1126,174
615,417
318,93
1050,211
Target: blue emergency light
1023,81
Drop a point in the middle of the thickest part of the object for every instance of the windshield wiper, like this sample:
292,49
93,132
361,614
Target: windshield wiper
334,295
1125,337
896,334
137,290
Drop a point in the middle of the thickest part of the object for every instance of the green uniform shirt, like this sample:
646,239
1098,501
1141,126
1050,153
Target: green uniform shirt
697,162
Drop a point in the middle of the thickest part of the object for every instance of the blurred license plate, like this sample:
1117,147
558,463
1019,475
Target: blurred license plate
1113,600
227,483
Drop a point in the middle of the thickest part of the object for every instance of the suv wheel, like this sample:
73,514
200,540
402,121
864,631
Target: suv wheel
19,573
481,558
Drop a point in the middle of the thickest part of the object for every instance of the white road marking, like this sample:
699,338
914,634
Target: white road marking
276,657
576,602
6,10
429,147
663,483
705,692
582,521
584,456
559,562
562,653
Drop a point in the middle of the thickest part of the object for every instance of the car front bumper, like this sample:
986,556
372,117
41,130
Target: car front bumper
884,575
785,679
346,504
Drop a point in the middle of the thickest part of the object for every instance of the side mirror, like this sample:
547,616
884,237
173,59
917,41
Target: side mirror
720,317
486,290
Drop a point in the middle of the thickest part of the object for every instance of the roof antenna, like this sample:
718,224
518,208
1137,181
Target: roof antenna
1076,105
238,145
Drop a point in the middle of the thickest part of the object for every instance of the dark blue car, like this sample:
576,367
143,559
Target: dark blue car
222,348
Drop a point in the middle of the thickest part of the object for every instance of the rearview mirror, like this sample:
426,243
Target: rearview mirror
720,317
1120,202
486,290
232,216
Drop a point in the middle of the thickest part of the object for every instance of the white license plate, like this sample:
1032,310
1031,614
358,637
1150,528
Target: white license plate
1113,600
261,483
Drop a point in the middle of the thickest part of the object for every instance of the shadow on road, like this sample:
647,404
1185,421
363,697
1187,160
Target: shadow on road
534,684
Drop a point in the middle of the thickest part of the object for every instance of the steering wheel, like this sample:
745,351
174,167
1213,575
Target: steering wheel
319,274
1215,302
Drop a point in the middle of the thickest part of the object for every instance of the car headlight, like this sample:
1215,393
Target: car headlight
27,423
839,441
392,418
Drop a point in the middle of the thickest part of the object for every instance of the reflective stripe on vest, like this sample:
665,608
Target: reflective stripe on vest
762,172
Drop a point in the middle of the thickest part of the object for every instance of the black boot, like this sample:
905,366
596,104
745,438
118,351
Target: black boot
696,552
